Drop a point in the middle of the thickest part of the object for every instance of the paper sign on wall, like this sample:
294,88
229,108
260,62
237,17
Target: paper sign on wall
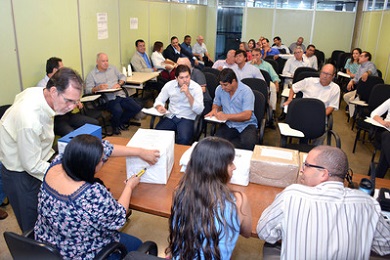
102,25
133,23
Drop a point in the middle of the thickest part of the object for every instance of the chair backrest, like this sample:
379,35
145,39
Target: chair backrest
342,60
3,109
26,248
308,116
266,76
274,64
379,94
307,74
379,73
320,58
259,109
212,83
211,70
335,57
364,88
300,70
257,84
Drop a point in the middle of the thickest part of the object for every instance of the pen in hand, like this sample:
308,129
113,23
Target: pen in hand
139,174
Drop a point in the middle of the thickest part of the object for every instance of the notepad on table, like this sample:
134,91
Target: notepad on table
214,119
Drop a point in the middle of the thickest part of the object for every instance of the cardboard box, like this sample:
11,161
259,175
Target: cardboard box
162,140
242,161
94,130
274,166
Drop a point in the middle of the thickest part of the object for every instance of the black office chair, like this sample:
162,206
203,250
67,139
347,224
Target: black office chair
320,58
261,86
266,76
274,64
3,109
308,116
334,59
211,83
307,74
211,70
26,247
343,59
259,111
379,94
299,70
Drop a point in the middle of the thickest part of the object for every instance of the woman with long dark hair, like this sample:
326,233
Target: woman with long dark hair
207,216
76,213
352,63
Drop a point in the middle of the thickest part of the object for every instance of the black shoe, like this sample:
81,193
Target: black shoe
123,127
282,116
271,125
116,131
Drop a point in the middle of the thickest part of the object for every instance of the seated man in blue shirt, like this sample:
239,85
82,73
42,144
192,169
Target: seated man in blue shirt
234,102
185,103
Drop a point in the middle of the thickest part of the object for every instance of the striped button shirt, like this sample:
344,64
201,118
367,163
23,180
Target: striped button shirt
327,221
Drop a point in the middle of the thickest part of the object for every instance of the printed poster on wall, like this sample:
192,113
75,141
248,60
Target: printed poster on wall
102,25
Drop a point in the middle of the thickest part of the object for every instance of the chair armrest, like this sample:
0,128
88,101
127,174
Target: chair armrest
29,234
111,248
336,137
261,131
198,127
148,247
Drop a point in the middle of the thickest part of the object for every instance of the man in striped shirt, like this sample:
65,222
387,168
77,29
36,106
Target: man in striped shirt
322,219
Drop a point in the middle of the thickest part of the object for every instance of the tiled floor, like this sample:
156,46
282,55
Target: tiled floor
149,227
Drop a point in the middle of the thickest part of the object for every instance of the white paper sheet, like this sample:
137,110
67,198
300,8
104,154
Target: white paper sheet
277,154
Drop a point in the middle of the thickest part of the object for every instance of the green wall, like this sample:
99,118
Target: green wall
10,83
290,24
375,38
68,29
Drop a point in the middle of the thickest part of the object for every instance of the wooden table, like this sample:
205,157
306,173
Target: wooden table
156,199
138,79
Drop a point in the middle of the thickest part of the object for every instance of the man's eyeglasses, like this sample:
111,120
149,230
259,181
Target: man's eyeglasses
327,74
305,164
298,52
69,101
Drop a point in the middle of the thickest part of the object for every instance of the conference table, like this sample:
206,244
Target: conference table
156,199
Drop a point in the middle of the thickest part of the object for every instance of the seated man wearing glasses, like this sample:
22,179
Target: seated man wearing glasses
322,88
320,218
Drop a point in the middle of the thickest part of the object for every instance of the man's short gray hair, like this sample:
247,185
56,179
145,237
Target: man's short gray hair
333,159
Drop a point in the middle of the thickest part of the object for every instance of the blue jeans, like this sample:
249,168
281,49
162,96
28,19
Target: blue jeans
184,128
244,140
2,194
122,110
130,242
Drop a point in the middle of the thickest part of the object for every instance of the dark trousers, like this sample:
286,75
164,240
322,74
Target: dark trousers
64,124
122,109
184,128
384,159
22,191
244,140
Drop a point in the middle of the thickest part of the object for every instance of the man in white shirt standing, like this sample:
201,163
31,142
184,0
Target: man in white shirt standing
320,218
185,103
27,137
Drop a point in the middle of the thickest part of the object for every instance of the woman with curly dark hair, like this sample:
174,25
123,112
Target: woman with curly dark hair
207,216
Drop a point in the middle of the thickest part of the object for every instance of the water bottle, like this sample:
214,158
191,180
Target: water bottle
129,72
